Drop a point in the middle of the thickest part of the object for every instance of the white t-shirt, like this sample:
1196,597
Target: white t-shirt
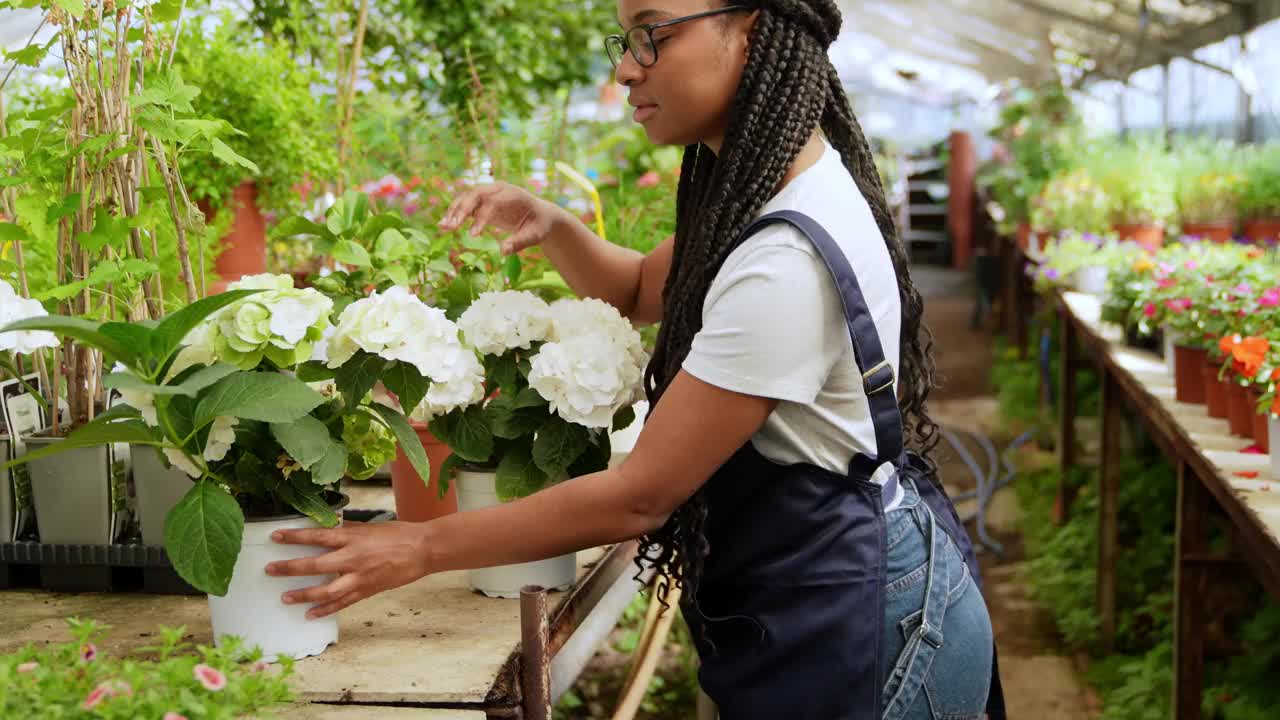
773,325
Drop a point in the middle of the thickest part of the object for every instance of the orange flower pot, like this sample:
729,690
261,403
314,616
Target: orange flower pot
1215,391
1261,432
1148,236
1218,232
1024,236
1239,411
418,501
1187,375
1263,230
244,248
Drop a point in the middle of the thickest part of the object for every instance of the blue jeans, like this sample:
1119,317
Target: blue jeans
937,634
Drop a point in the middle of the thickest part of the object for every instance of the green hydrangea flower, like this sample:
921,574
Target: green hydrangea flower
283,324
370,445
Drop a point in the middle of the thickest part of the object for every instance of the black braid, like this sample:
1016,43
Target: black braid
789,88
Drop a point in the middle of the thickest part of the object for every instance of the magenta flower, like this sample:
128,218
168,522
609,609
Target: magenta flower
27,667
649,179
88,652
1270,297
171,715
1242,289
1149,310
211,678
1179,306
94,698
1191,264
1164,283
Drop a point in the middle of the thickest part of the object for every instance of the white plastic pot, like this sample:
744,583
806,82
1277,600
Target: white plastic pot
478,489
1170,342
251,609
1273,432
1092,280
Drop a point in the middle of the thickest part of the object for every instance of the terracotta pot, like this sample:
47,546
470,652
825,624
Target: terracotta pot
418,501
1218,232
1263,230
245,245
1187,375
1148,236
1239,412
1261,432
1215,391
1024,236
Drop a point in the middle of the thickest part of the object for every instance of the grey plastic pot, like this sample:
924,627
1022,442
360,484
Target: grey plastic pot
157,489
72,494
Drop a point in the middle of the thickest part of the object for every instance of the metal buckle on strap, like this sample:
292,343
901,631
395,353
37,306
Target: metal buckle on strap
930,635
878,378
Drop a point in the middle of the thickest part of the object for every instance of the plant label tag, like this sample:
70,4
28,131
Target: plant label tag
23,415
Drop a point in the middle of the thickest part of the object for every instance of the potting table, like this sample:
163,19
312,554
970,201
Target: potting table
433,644
1214,480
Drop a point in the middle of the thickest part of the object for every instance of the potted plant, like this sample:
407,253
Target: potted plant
1138,179
556,380
227,389
1071,202
76,678
1208,189
1260,194
1082,261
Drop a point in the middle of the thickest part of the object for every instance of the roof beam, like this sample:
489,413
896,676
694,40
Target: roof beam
1167,48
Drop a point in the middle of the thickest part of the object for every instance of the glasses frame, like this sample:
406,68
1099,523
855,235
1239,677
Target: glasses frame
621,40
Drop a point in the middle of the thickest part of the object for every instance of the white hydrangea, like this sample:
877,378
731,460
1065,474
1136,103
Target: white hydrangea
396,325
143,402
500,321
591,317
179,459
460,392
586,379
197,349
282,323
14,307
222,435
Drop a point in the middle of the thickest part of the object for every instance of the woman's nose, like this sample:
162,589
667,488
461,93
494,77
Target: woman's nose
629,71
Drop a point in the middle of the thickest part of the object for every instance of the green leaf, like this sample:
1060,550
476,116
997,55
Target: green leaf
358,375
408,439
595,459
171,331
13,180
65,207
98,432
257,476
407,383
298,226
84,331
202,535
397,275
131,335
332,467
29,56
471,434
107,230
518,475
378,225
512,267
558,445
309,502
306,439
314,371
348,252
95,144
348,213
223,152
447,470
502,370
511,420
265,396
10,232
74,7
166,90
623,418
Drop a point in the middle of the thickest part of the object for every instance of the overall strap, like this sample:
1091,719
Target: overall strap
877,374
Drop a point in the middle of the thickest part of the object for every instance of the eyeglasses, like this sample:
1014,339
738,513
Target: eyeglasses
639,39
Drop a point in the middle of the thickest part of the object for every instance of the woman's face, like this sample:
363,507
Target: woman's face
685,97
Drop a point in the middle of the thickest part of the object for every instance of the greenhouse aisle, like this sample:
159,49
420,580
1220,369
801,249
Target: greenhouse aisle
1039,682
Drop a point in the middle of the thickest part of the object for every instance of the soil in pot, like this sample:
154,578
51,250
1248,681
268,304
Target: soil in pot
1215,392
1187,375
1239,412
252,610
1216,232
1148,236
1263,230
416,500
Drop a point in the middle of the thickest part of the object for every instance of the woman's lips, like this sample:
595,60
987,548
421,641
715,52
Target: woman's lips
644,112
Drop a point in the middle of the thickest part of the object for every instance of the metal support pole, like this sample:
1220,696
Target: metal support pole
535,668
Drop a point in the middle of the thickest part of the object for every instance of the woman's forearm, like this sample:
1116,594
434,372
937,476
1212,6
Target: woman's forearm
580,513
592,266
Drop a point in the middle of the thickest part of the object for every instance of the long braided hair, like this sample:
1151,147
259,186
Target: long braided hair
789,87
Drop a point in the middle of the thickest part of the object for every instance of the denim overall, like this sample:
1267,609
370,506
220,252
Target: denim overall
789,614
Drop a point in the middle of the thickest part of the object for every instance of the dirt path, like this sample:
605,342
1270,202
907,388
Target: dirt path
1039,681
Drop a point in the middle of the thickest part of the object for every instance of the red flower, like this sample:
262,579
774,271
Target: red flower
211,678
94,699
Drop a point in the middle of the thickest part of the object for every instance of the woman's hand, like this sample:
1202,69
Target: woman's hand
527,220
368,558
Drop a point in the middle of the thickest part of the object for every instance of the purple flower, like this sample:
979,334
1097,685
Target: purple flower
1050,273
1093,239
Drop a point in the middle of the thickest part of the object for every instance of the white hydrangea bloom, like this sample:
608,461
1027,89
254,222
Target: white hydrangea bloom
274,322
197,349
500,321
222,435
143,402
460,392
14,307
585,379
596,318
396,325
179,459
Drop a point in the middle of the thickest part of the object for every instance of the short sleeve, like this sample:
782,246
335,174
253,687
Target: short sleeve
772,324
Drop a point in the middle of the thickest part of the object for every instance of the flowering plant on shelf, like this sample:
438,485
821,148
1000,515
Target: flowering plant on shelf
555,380
1073,251
265,403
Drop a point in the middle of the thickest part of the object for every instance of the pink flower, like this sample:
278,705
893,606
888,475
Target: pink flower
211,678
1164,283
259,666
171,715
94,699
649,179
1191,265
1270,298
1167,268
1178,306
1149,310
88,652
1242,289
115,687
27,667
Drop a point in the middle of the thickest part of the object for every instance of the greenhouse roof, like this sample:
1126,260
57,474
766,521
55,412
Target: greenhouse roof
991,41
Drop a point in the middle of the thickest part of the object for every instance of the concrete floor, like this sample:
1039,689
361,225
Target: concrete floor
1040,682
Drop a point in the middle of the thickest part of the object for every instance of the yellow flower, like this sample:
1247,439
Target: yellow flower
1143,264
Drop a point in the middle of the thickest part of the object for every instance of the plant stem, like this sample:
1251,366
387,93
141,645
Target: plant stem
184,250
347,107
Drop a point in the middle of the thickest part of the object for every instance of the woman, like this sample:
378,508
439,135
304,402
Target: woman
825,575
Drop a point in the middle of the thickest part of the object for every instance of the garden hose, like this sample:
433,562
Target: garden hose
988,482
582,182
